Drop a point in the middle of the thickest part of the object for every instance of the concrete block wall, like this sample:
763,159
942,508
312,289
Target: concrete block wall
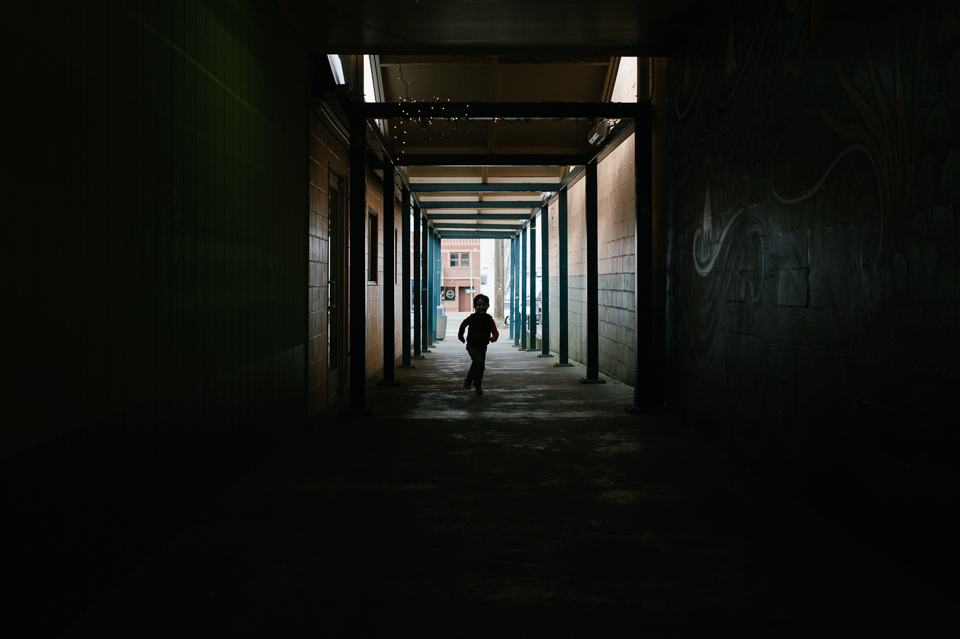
156,198
553,255
616,214
813,249
616,281
576,274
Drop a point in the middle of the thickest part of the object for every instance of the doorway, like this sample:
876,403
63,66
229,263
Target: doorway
336,300
465,300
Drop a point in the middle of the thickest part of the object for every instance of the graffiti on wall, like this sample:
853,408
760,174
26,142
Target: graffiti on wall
815,175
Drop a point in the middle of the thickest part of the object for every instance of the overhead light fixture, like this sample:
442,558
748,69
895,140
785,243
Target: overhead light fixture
336,68
599,132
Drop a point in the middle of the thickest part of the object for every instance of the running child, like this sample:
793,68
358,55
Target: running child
482,331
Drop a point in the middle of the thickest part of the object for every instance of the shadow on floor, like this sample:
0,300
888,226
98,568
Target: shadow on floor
540,509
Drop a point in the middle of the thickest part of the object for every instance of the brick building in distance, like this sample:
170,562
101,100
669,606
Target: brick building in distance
461,273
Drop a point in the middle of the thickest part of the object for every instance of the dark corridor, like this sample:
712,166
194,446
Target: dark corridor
541,509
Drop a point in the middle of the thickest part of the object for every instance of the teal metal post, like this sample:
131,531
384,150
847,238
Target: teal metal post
545,281
562,276
425,287
513,282
522,325
593,279
417,286
358,256
405,282
434,287
515,292
532,346
389,278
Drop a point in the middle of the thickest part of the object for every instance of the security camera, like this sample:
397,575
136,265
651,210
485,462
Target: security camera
598,133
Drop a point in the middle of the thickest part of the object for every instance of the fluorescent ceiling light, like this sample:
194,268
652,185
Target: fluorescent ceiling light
336,67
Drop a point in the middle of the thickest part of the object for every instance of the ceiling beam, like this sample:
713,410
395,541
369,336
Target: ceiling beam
511,204
489,235
466,187
485,227
502,110
479,216
485,159
393,60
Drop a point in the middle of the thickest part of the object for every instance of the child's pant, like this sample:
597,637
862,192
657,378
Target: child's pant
475,374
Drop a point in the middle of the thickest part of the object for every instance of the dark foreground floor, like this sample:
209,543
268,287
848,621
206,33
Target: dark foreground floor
541,509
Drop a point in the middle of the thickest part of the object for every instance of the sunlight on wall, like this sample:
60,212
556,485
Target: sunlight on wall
625,86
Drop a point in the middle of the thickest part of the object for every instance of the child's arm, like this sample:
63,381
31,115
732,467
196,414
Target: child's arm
494,333
463,327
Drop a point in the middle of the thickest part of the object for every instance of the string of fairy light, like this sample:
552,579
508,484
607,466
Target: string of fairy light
424,112
426,120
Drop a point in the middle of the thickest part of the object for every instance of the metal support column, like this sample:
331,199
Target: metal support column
417,284
513,285
389,278
522,325
405,282
562,275
434,287
646,398
515,327
593,279
545,281
532,346
358,254
425,287
438,280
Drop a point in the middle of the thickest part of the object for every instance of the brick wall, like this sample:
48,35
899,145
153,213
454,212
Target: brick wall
326,150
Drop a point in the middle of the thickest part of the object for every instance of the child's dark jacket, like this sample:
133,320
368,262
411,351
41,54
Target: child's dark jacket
482,330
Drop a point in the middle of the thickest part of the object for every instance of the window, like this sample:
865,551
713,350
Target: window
459,259
372,252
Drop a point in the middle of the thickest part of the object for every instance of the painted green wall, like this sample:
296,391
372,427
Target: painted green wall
156,239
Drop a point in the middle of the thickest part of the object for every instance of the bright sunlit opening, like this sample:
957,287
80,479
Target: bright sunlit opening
336,67
369,95
625,86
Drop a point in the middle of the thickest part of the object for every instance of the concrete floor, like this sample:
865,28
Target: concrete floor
541,509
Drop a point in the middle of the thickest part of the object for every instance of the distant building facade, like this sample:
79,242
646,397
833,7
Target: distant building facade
461,273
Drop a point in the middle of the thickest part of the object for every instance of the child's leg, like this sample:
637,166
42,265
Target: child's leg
476,367
479,362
